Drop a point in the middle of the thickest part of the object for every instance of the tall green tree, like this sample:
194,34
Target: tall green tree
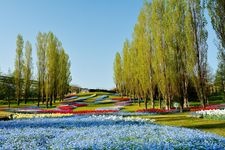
126,76
216,11
162,55
51,64
18,67
142,44
41,47
64,75
198,42
118,72
27,70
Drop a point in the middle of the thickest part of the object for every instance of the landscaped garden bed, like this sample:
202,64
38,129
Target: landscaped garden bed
101,132
216,114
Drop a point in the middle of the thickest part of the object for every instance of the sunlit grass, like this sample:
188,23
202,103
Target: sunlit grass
184,120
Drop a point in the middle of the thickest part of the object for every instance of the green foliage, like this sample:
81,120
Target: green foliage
54,74
184,120
216,11
118,72
27,70
18,67
167,50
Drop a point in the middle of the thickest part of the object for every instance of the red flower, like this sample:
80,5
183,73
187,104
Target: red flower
121,99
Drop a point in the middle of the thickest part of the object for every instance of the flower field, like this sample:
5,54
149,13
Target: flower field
216,114
101,132
29,116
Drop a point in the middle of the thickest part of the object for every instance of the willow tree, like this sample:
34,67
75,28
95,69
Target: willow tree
198,42
118,72
27,70
18,68
217,13
41,47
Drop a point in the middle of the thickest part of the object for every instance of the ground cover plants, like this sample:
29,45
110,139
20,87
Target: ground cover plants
101,132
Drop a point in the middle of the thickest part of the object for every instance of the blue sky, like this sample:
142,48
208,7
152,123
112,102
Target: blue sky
91,31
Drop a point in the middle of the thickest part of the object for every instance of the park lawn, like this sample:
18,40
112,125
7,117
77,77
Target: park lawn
185,120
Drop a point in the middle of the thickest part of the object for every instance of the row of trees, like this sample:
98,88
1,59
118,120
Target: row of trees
168,52
216,11
23,69
53,70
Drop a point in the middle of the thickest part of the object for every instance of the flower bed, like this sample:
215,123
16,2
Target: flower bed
121,99
106,101
28,116
210,114
74,103
81,112
70,98
66,107
207,107
81,99
100,98
101,132
126,103
116,108
154,110
70,95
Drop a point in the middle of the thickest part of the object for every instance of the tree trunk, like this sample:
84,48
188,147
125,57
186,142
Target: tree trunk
139,102
51,100
146,103
47,102
8,102
18,101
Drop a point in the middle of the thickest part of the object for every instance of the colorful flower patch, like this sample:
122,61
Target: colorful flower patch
101,132
28,116
207,107
155,110
121,99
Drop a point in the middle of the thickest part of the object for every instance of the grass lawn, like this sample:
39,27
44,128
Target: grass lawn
184,120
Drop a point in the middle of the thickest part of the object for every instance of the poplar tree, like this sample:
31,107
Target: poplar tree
27,70
41,47
162,55
64,76
18,68
126,69
216,11
51,65
198,42
118,72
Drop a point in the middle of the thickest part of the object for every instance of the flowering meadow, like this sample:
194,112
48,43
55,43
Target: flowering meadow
101,132
54,115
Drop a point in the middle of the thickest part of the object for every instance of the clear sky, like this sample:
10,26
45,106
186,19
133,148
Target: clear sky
91,31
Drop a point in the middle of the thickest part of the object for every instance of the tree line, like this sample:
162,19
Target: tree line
168,52
53,71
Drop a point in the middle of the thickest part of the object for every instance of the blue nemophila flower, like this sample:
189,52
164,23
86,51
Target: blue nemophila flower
101,132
